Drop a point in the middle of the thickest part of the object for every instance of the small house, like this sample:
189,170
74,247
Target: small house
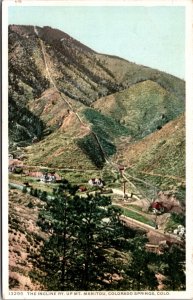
96,182
47,177
157,207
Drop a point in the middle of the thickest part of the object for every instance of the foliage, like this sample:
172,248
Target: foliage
30,205
83,230
90,147
18,170
106,129
178,218
175,220
104,125
141,278
24,190
137,216
173,268
43,196
23,124
80,236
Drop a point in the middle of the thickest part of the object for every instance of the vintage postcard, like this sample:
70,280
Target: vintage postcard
97,149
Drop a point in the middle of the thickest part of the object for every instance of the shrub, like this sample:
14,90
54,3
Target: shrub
30,205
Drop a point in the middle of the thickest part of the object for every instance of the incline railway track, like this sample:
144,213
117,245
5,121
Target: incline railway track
114,166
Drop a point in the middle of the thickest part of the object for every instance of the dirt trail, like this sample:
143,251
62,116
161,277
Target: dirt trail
66,101
52,81
159,175
121,193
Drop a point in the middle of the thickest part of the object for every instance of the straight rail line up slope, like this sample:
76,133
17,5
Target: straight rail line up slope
113,165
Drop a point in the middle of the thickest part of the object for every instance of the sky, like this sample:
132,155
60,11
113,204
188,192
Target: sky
150,36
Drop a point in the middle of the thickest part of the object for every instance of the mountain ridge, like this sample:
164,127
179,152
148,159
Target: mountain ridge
115,98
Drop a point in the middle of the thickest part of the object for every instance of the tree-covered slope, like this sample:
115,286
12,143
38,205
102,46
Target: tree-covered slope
143,108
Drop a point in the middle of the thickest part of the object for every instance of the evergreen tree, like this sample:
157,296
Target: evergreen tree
43,196
173,268
74,257
139,272
88,244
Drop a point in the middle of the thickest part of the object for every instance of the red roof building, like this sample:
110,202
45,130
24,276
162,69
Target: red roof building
157,205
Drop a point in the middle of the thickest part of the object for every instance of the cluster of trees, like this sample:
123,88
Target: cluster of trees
23,124
90,248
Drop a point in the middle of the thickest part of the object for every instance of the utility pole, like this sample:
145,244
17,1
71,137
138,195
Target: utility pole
124,187
156,226
121,169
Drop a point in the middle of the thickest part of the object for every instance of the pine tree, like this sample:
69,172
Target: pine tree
88,244
74,257
140,275
173,269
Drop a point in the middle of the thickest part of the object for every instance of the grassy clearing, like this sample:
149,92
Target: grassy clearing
80,177
47,187
136,216
75,178
136,207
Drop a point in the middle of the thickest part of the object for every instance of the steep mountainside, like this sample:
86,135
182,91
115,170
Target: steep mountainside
161,152
143,108
88,115
68,99
158,158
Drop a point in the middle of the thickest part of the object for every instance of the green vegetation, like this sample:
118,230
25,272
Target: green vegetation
175,220
152,184
143,108
89,243
30,205
104,125
135,207
83,245
106,129
75,256
136,216
23,125
90,147
172,265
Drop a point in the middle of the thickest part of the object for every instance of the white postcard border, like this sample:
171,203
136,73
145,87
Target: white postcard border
188,294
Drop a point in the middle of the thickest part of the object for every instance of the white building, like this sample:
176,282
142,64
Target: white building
96,182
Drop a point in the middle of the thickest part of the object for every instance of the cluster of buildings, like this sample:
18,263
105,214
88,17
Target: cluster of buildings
16,164
45,177
48,178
